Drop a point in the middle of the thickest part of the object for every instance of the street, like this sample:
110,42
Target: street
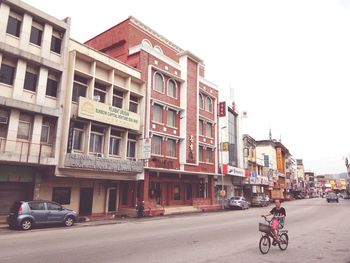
318,232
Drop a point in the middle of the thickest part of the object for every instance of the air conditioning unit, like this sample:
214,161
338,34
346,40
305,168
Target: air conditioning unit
99,154
4,120
97,98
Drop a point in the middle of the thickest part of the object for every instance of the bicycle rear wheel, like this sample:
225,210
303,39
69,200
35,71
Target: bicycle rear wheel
283,244
264,244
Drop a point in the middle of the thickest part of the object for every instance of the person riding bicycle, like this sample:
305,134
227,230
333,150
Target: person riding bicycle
279,214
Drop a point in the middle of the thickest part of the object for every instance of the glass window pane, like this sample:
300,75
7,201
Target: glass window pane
171,118
13,26
133,107
159,83
157,113
131,153
200,127
7,74
171,148
209,104
56,44
78,90
200,154
45,130
51,88
208,132
23,130
156,145
30,81
77,139
117,102
201,101
35,36
172,89
114,146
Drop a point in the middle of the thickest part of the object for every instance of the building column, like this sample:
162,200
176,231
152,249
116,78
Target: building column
35,147
25,31
19,79
4,14
46,40
41,88
12,131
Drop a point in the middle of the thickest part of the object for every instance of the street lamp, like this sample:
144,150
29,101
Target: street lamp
222,162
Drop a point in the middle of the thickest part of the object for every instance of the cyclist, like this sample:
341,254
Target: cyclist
278,213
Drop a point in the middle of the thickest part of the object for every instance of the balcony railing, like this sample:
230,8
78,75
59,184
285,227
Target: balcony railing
26,152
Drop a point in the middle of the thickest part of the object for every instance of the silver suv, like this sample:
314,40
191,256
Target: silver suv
25,215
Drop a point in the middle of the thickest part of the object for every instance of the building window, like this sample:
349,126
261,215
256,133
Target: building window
56,42
96,139
52,86
209,130
171,148
24,127
80,86
159,82
48,131
131,151
14,24
177,192
200,153
201,101
31,79
209,104
209,155
100,92
4,120
156,145
172,89
78,136
200,127
36,34
61,195
7,71
115,142
158,49
171,118
157,113
133,104
117,98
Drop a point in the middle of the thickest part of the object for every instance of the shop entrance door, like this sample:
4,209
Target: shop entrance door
112,199
85,203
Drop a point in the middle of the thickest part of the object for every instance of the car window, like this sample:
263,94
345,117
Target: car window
53,206
37,205
14,208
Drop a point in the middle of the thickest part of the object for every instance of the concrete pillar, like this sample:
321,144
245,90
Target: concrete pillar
19,79
124,145
41,87
12,131
46,40
35,151
107,137
25,32
4,14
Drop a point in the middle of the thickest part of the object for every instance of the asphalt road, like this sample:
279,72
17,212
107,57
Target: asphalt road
318,232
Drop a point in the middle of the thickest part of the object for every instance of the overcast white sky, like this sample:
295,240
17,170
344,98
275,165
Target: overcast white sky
288,61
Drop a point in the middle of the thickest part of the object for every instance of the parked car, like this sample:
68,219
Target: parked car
25,215
332,197
238,202
260,200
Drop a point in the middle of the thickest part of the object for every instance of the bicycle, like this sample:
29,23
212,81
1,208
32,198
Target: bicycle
268,234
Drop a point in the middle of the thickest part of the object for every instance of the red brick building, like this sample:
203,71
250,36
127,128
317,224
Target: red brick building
180,116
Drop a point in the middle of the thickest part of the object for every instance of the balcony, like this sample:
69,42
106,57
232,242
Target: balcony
26,152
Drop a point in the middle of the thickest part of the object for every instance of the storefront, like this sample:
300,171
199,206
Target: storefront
19,183
233,181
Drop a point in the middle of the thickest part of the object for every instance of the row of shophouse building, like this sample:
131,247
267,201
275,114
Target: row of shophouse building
126,117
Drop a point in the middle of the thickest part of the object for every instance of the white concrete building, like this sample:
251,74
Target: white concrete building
101,145
231,152
33,61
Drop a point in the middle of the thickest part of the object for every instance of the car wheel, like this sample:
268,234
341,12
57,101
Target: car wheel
26,224
69,221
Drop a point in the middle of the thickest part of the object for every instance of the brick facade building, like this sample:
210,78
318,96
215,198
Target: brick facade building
180,116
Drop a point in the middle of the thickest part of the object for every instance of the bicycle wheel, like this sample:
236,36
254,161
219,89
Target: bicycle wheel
264,244
283,244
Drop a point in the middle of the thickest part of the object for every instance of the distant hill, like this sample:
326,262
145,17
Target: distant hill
336,176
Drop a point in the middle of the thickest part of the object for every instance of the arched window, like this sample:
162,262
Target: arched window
209,104
146,42
201,101
172,89
158,49
158,82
